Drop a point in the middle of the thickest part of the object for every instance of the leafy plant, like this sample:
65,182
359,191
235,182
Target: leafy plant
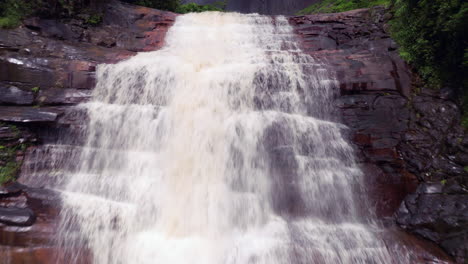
196,8
333,6
8,172
94,19
12,11
35,89
432,37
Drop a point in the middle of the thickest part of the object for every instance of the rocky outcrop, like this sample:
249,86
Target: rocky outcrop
408,139
47,67
436,150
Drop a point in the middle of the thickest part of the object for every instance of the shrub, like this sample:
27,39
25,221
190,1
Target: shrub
333,6
8,172
12,11
432,37
196,8
94,19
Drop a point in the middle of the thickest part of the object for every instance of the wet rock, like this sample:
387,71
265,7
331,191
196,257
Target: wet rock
28,114
12,95
16,216
7,133
11,189
402,138
27,72
50,28
63,96
363,55
438,216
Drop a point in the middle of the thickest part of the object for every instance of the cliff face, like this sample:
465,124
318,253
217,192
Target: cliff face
46,68
407,138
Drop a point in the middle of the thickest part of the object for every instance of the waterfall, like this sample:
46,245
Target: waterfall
220,148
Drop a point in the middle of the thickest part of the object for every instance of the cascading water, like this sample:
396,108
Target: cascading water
218,149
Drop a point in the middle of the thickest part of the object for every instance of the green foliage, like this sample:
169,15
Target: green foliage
94,19
464,121
8,172
433,39
35,89
196,8
432,36
466,168
9,167
170,5
12,11
333,6
175,6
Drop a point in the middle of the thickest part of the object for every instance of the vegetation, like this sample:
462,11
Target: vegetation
9,167
433,39
8,172
12,11
196,8
94,19
333,6
175,6
432,36
35,89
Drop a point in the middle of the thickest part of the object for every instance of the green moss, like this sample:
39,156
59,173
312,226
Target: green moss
10,168
94,19
333,6
35,89
466,168
8,172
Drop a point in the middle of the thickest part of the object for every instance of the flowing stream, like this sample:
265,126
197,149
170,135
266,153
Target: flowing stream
220,148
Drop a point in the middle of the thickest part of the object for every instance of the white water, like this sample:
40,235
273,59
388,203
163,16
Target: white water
218,149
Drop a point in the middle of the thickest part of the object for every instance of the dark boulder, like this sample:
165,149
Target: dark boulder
11,95
16,216
438,212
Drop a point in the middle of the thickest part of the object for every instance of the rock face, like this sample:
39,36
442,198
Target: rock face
436,149
46,68
408,139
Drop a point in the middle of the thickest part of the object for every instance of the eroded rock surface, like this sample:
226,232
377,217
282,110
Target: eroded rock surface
408,142
47,67
408,139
